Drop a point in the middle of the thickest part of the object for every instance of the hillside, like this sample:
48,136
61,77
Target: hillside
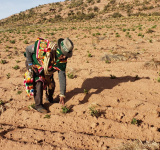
76,10
113,79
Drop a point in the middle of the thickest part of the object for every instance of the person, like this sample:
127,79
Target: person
43,59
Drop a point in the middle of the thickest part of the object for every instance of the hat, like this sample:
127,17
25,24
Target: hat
66,46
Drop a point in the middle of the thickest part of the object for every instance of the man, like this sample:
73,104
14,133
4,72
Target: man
43,59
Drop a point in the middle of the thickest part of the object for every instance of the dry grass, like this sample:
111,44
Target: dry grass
139,145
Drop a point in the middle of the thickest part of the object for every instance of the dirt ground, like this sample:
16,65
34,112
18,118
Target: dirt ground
115,60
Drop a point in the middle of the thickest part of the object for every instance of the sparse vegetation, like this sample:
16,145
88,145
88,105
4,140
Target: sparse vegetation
136,77
17,61
116,15
13,41
32,106
113,76
16,67
19,92
86,91
70,75
26,42
89,55
47,116
134,121
65,109
8,75
3,61
1,102
93,112
158,79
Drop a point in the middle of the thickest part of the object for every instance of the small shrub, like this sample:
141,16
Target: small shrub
154,26
47,116
96,9
3,61
127,35
93,111
98,33
89,1
26,42
13,41
139,34
17,61
158,79
32,106
16,67
134,121
113,76
10,57
89,55
124,30
136,77
112,1
1,102
8,75
116,15
117,35
107,62
19,92
149,31
86,91
65,109
70,75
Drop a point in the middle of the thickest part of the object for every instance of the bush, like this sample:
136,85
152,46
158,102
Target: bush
112,1
90,9
60,9
13,41
81,16
106,7
26,42
96,9
116,15
89,1
75,4
58,18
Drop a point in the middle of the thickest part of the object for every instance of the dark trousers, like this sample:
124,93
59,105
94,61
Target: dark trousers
38,91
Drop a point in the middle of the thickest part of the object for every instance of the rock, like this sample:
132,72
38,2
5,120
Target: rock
1,109
7,105
94,125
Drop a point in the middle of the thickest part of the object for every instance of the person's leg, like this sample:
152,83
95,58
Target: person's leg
50,91
38,97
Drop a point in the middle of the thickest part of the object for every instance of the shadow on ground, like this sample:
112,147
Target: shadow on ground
100,84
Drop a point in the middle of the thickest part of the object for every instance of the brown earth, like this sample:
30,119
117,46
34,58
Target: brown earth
134,93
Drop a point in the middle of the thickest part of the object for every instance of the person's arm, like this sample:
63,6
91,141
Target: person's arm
62,82
29,52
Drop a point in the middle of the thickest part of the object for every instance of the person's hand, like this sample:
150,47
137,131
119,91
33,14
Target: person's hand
62,100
